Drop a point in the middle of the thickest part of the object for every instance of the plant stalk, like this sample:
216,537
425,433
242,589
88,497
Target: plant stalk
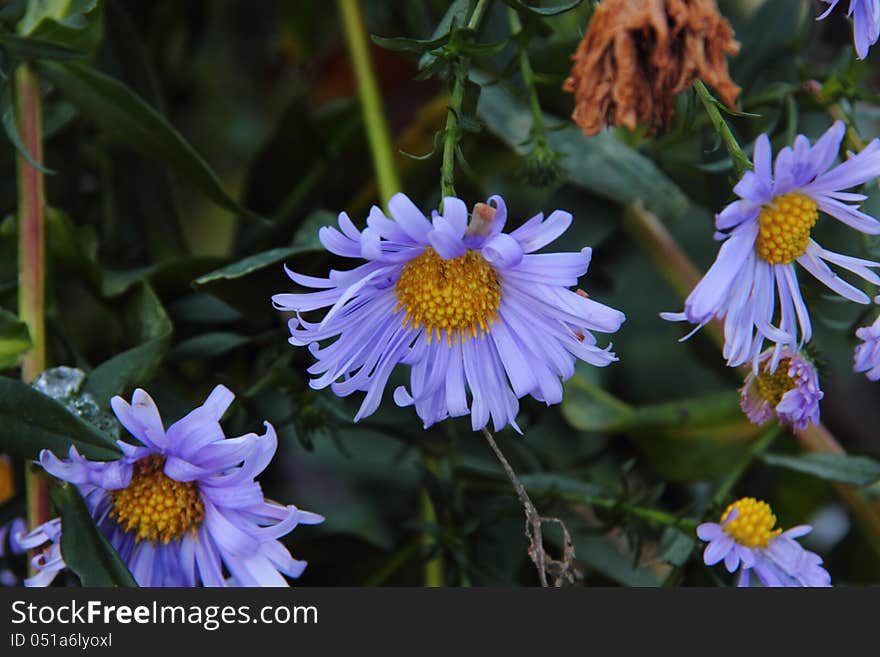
741,162
378,134
32,260
450,134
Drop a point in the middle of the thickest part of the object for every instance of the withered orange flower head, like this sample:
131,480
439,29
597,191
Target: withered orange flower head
638,55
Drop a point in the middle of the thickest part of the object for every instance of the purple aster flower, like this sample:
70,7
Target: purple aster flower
184,503
866,22
746,538
790,392
48,562
867,354
468,307
767,230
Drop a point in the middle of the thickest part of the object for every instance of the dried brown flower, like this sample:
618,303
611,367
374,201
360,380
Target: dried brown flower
638,55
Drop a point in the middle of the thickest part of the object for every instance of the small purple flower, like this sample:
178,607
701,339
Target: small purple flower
745,538
473,311
48,562
866,22
183,503
790,392
767,230
867,354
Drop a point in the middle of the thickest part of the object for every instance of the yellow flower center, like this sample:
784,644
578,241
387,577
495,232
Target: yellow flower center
460,296
753,525
156,507
774,386
785,226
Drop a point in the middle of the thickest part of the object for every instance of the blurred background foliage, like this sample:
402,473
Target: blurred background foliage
166,243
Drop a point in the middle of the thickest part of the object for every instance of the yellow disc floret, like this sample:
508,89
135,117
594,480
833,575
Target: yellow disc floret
753,524
773,386
785,225
156,507
459,296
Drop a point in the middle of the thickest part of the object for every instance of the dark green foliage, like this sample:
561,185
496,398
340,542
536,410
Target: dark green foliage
197,147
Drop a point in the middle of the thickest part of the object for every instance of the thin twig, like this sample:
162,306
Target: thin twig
562,572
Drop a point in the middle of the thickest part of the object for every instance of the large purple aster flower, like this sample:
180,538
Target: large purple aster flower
866,22
468,307
183,504
767,231
746,538
790,393
867,354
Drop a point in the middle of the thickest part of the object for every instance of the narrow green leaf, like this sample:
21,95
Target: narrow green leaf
403,44
15,339
27,49
31,421
553,10
856,470
136,365
456,14
85,550
208,345
254,263
127,117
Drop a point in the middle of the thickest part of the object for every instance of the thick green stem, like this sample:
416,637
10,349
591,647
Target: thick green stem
450,134
375,122
32,259
741,162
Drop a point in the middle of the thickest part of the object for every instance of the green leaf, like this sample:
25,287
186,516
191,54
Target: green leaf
588,407
208,345
72,247
456,14
127,117
600,164
548,482
73,24
404,44
86,551
25,48
254,263
136,365
31,421
15,339
856,470
601,554
553,10
684,440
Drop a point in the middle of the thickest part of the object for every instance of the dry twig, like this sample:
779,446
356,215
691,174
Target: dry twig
561,572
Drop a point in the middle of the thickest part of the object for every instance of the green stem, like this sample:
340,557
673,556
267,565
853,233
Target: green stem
651,515
434,576
755,449
741,162
31,260
450,134
539,130
656,516
371,101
